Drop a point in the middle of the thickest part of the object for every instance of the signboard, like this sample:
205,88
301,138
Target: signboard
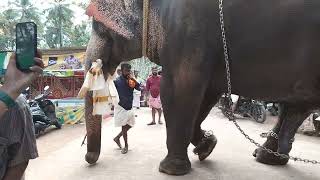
4,60
73,61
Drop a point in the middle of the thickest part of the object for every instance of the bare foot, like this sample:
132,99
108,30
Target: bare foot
116,140
152,123
124,150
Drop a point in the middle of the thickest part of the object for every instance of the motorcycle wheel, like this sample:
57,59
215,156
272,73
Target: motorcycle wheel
259,113
37,130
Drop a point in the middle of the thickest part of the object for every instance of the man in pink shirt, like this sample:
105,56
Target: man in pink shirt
153,87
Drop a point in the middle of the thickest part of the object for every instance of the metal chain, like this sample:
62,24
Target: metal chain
229,112
274,135
271,151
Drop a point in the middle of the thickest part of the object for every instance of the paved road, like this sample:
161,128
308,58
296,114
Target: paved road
62,158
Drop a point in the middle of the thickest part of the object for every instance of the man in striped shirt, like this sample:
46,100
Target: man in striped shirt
17,135
17,139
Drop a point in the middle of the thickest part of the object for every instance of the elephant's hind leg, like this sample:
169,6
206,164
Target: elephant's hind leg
291,117
263,156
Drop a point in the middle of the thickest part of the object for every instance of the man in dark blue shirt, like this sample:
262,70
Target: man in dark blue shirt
123,114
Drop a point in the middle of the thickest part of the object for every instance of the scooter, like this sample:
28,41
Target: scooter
273,108
43,112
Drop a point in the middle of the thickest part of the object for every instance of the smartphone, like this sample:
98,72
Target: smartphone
26,45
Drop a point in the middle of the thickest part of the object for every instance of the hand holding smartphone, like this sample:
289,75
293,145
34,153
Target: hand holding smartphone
26,45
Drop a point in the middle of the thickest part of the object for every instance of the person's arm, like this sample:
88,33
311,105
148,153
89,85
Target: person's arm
148,85
3,109
16,81
138,85
11,94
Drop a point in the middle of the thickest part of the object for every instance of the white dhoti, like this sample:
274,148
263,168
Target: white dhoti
123,117
136,98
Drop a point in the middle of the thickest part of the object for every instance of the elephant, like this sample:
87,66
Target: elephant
274,57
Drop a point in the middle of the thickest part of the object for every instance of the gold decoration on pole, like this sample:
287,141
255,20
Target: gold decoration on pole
145,27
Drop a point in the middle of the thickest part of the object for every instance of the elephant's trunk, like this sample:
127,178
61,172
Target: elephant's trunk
93,127
98,48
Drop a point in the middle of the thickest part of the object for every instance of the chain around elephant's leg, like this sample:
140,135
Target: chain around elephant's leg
205,147
263,156
281,138
294,117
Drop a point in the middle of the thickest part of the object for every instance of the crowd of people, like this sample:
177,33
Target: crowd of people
17,138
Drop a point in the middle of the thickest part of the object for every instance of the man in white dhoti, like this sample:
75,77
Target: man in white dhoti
123,114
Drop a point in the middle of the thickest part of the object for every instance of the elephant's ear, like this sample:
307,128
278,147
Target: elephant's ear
117,15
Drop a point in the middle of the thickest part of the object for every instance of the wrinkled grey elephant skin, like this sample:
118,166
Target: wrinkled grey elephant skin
274,56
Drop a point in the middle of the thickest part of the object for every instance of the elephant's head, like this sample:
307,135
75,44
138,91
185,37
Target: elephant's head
116,37
116,32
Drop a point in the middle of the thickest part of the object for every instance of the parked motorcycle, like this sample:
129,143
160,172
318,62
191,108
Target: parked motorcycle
273,108
246,108
43,112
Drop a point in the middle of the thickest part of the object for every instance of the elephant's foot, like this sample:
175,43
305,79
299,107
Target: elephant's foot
264,157
175,166
92,157
206,146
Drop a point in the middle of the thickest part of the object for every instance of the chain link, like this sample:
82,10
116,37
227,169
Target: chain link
274,135
229,111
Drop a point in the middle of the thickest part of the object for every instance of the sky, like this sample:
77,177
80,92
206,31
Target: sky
43,4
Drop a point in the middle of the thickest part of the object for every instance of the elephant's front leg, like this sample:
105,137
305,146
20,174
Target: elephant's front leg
93,127
181,97
204,141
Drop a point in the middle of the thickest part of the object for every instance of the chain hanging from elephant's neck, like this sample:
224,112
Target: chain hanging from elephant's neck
146,5
229,111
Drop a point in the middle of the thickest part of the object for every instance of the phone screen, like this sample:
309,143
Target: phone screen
26,44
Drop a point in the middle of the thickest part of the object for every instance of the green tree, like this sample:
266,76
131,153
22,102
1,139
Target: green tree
8,20
27,11
59,23
19,11
80,34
